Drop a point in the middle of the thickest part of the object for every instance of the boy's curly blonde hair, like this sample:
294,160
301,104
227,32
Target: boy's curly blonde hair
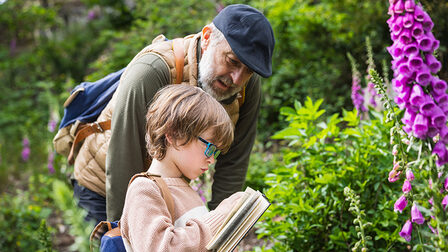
184,112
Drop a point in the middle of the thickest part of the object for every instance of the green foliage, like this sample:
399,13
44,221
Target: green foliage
309,211
261,163
312,38
73,216
44,236
171,18
21,215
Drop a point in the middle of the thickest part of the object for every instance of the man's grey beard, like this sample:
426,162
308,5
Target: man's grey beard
207,77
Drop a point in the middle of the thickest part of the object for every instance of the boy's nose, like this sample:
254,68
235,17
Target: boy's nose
211,160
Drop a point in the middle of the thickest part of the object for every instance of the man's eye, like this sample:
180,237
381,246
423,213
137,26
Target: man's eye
232,61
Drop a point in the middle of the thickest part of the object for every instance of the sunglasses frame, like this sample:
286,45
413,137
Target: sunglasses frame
215,153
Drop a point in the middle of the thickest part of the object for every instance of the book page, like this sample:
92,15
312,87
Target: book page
234,209
239,233
227,228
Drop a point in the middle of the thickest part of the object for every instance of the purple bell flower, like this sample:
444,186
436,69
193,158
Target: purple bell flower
399,7
425,43
444,134
433,64
50,164
396,49
410,175
26,151
408,20
420,126
25,142
394,176
445,184
427,22
396,24
416,215
417,96
408,117
417,30
427,106
423,76
405,36
440,99
438,118
445,202
415,62
409,5
419,14
406,186
441,152
406,231
438,86
400,204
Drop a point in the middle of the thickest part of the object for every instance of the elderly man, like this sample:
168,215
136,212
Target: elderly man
225,59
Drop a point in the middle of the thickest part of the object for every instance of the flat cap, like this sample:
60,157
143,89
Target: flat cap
250,36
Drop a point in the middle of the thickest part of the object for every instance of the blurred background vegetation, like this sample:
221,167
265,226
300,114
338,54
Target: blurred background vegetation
49,46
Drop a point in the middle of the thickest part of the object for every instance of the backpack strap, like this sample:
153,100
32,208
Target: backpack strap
179,54
163,188
105,228
242,96
84,131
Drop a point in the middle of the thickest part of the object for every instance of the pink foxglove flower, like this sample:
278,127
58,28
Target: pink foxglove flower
416,215
406,231
414,65
406,186
445,202
357,94
400,204
394,176
26,151
409,175
50,164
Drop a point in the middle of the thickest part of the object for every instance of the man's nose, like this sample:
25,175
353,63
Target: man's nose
238,75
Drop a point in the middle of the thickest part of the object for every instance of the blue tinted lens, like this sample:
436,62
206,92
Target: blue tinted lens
211,148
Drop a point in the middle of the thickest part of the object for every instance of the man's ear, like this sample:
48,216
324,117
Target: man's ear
205,38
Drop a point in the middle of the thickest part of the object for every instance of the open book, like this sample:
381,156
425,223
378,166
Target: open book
241,218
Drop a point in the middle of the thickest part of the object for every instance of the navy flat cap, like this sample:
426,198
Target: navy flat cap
250,36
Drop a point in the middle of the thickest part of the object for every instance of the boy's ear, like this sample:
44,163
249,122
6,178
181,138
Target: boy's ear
169,139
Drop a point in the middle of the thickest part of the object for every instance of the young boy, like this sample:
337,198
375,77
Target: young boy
186,130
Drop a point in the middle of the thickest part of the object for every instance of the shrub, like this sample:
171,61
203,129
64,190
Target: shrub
309,211
21,215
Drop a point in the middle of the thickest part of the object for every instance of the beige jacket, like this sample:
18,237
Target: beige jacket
90,163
